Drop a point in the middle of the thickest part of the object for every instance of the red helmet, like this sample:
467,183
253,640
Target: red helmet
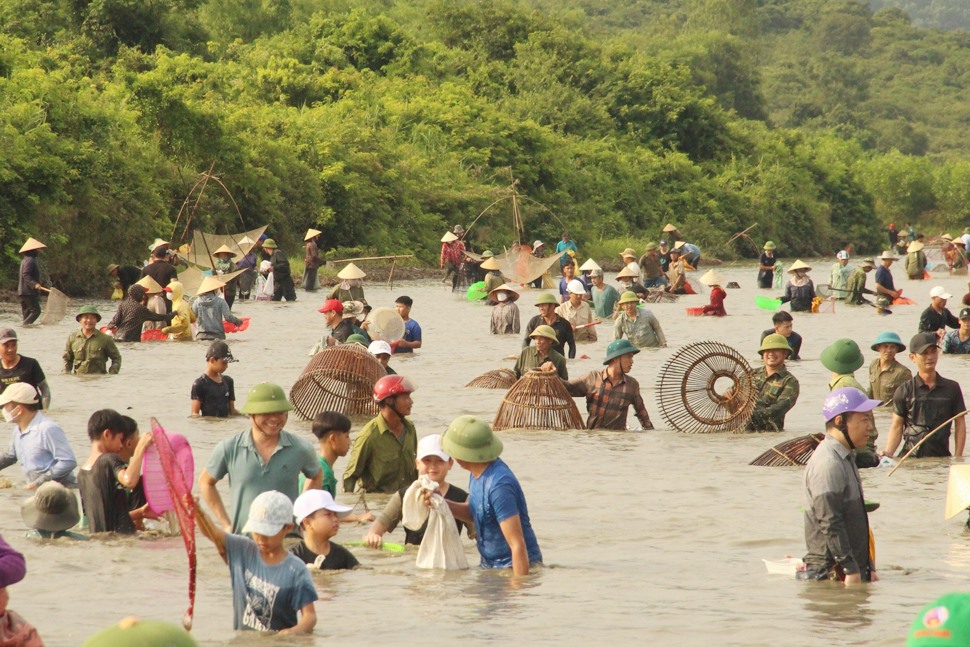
391,385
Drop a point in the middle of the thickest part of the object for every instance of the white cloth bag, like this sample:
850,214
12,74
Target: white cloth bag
441,546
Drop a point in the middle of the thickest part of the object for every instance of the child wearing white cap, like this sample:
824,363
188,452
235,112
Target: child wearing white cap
433,461
269,584
319,517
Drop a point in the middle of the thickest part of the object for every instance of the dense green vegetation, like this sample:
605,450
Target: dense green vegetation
936,14
384,122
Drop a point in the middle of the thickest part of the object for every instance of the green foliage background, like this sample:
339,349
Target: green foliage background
384,122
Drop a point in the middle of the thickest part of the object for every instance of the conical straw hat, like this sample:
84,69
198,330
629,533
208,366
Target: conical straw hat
209,284
957,491
490,264
625,273
915,246
669,228
449,237
351,272
31,245
509,288
310,233
224,250
589,266
713,277
151,285
799,265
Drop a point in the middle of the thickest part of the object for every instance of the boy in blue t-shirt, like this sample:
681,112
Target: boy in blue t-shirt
269,584
496,503
412,331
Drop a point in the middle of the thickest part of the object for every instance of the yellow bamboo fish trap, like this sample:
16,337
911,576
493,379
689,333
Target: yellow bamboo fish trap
706,387
500,378
539,400
339,378
790,453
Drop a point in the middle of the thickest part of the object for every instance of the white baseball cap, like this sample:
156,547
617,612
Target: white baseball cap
431,446
379,347
938,291
268,513
313,500
576,287
19,392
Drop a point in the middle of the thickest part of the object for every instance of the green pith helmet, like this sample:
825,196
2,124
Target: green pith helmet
628,297
770,245
357,339
619,348
266,397
469,438
545,331
88,310
269,242
652,246
487,254
147,633
842,357
774,342
546,297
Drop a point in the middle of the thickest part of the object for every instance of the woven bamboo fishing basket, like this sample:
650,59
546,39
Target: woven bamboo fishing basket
339,378
659,295
790,453
539,400
500,378
706,387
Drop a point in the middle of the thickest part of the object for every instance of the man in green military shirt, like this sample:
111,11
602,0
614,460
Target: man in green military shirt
776,388
88,349
886,374
536,356
855,285
383,455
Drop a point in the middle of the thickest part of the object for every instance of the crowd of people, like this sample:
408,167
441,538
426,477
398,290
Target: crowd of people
281,485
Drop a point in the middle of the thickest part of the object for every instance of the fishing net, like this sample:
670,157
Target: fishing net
659,295
791,452
706,387
203,244
56,308
538,401
385,324
180,492
500,378
191,278
230,327
518,265
339,378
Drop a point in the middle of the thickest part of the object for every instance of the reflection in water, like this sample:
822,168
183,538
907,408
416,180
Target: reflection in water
834,603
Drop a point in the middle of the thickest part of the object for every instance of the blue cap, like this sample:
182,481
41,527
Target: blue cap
845,400
887,337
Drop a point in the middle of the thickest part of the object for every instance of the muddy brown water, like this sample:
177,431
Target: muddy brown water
649,537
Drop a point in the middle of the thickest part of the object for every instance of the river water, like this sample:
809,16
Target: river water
649,537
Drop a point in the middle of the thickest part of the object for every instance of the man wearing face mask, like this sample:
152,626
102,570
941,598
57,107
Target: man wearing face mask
38,444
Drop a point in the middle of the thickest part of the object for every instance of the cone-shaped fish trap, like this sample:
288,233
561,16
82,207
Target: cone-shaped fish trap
538,401
796,451
706,388
500,378
339,378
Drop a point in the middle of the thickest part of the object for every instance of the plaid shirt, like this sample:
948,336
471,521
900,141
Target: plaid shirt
608,403
776,395
453,252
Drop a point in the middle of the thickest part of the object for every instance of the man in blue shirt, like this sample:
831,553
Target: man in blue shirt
884,278
564,245
496,503
39,444
412,331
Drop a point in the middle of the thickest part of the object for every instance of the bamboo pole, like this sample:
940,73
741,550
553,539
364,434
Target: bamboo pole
925,438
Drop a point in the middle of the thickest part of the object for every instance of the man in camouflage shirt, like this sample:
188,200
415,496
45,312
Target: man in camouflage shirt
776,388
856,283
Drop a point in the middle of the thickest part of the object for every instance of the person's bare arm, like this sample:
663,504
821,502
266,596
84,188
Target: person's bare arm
315,483
512,531
214,533
375,535
197,408
460,511
207,487
959,435
308,620
896,435
129,477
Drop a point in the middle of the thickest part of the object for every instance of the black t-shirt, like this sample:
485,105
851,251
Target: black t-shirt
214,396
104,501
338,558
162,271
27,370
455,494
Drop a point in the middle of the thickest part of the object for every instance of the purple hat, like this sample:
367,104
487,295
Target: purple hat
845,400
